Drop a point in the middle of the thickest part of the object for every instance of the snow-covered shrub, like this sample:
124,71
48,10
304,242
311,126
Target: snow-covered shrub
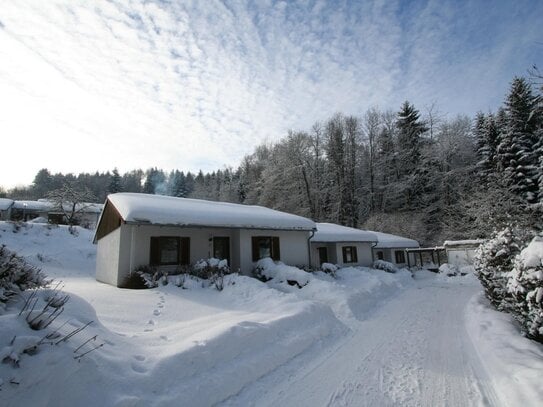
329,268
526,286
449,269
493,262
278,272
212,269
16,275
150,276
385,266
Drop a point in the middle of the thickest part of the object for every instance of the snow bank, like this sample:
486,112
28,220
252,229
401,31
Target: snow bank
506,355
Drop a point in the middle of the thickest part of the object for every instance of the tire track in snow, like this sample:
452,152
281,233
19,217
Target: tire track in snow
414,351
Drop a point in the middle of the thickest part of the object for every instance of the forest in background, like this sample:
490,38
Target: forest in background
412,173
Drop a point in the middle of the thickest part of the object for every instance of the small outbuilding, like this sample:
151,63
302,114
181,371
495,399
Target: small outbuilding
5,208
166,232
461,252
392,248
341,245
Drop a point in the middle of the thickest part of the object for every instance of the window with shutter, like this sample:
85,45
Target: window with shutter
349,254
400,257
169,250
266,246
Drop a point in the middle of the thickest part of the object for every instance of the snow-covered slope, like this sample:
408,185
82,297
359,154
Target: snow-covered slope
364,338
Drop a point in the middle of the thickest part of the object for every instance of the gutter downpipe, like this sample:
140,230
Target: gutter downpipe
373,245
309,246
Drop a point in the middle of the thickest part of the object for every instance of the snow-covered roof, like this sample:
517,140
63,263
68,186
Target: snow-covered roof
33,205
5,204
330,232
167,210
473,242
386,241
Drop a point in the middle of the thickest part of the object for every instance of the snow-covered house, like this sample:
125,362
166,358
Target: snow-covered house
166,232
5,208
341,245
28,210
461,252
391,248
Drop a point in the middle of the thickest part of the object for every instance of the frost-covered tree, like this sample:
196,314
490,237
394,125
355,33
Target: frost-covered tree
486,135
71,199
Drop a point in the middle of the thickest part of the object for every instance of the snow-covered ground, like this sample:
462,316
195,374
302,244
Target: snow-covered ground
365,338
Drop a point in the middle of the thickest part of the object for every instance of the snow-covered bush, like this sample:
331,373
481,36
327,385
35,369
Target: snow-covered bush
149,276
213,270
385,266
16,275
329,268
526,286
493,262
277,272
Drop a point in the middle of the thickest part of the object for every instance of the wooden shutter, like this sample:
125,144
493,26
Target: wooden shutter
255,248
154,258
275,250
344,250
184,250
354,254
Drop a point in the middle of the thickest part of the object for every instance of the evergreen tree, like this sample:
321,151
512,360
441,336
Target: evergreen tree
115,183
410,153
516,148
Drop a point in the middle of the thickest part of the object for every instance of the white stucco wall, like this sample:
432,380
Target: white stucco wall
390,256
107,258
335,253
292,244
128,247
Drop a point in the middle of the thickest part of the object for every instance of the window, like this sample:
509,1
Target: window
221,248
400,257
349,254
266,246
323,255
169,250
380,255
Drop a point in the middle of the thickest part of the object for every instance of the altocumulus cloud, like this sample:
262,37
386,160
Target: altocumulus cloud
189,85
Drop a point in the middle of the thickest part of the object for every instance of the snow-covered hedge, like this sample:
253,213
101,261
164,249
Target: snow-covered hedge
17,275
525,283
385,266
493,262
279,273
511,271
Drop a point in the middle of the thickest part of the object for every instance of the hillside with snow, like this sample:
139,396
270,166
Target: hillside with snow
365,337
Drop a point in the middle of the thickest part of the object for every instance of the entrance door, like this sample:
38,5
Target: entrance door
323,255
221,248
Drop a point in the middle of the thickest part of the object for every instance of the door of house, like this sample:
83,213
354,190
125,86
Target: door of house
221,248
323,255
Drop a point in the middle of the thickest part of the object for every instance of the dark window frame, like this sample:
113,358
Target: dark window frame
222,238
183,250
380,255
399,256
275,251
353,254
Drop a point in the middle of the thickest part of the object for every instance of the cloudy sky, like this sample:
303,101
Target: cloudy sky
93,85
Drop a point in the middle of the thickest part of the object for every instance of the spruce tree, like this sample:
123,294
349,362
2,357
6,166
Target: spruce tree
115,183
516,148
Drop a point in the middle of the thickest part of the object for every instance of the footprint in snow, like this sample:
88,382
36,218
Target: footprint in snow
156,312
139,358
151,322
138,368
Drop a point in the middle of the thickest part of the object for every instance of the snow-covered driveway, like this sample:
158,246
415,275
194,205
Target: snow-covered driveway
413,351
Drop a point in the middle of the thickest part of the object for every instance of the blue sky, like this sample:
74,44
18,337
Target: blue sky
198,84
